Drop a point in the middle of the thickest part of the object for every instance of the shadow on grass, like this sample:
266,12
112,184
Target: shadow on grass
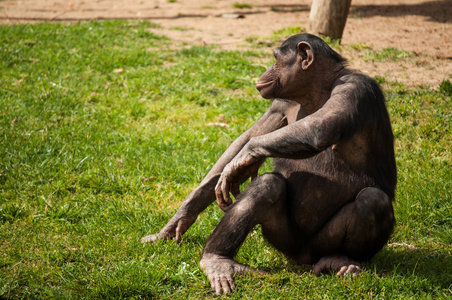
423,263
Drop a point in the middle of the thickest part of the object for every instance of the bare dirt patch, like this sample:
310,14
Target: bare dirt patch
422,27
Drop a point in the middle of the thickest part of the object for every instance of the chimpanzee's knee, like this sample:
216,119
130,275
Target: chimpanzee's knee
371,224
260,197
268,188
374,202
254,206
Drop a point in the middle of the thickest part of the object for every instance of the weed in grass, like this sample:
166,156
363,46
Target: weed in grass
180,28
276,39
446,87
334,43
287,31
380,79
242,5
359,46
390,54
91,160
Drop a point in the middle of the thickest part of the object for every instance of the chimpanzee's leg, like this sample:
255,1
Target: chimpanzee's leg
357,232
263,200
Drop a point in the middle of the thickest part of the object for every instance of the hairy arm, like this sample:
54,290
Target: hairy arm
301,139
307,136
312,134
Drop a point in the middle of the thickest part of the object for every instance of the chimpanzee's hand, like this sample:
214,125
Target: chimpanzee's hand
234,174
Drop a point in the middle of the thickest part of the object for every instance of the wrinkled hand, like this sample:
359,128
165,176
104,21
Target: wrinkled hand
175,228
221,270
234,174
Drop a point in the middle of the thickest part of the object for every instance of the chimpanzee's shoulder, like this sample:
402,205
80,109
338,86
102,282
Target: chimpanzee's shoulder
358,82
352,76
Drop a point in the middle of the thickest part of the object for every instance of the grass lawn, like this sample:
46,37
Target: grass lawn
104,129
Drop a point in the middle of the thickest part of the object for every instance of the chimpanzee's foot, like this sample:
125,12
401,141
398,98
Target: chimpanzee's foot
340,263
176,227
220,270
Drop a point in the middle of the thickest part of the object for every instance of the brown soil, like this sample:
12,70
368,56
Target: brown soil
423,27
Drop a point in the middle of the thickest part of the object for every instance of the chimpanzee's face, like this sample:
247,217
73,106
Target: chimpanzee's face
280,80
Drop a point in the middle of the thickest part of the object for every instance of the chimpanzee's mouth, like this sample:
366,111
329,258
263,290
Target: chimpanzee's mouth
261,85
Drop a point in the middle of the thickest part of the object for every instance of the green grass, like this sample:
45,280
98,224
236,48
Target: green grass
242,5
276,38
92,158
387,54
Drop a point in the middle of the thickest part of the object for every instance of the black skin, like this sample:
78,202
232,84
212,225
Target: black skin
329,200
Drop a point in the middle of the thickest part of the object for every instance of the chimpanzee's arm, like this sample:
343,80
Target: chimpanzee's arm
272,120
302,139
308,136
204,194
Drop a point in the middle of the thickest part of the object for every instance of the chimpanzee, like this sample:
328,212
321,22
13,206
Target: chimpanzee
328,201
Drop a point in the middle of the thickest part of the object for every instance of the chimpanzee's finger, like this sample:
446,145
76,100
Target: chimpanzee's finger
225,188
219,195
235,189
225,285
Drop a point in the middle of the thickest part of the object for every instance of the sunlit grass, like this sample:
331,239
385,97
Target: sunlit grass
242,5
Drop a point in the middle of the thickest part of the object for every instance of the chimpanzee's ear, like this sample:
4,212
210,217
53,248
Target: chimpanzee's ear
306,53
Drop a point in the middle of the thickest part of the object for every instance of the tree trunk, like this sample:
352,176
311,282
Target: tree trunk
328,17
